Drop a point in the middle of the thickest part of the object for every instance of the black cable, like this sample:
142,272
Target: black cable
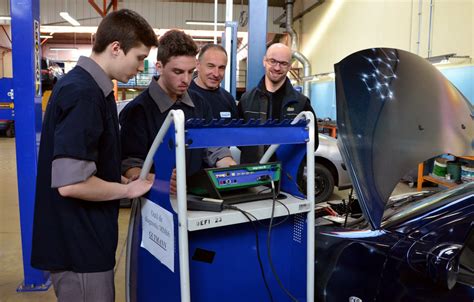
270,261
287,214
280,222
296,183
348,208
247,214
345,210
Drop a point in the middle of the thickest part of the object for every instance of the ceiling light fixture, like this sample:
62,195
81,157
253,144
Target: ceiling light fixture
63,48
206,23
7,18
68,18
46,36
204,39
441,59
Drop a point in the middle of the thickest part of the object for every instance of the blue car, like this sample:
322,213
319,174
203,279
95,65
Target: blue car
395,110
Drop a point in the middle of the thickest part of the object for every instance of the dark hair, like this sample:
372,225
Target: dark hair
175,43
125,26
210,46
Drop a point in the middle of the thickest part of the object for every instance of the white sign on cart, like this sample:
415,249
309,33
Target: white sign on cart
158,233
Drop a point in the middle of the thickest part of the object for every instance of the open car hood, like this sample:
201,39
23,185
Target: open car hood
395,110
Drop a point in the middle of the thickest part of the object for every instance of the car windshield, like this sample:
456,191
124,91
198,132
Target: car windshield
431,201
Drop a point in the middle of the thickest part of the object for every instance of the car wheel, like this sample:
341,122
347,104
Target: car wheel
323,182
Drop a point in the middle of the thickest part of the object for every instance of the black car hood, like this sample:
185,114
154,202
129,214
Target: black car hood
395,110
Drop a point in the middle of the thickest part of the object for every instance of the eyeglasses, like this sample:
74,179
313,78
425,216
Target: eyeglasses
274,62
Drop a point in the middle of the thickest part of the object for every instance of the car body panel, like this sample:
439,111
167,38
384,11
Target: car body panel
389,121
392,264
418,247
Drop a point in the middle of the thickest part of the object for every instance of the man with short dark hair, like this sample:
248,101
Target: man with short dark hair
273,98
143,117
211,65
79,183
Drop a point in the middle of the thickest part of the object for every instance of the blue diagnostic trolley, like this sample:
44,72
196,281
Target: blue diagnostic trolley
178,255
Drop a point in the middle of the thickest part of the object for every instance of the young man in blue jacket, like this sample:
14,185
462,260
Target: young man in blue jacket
143,117
79,183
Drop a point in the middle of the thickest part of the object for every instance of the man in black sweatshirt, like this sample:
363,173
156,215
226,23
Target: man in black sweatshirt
274,98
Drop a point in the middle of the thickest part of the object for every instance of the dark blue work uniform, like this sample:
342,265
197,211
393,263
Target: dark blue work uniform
221,102
143,117
260,104
80,127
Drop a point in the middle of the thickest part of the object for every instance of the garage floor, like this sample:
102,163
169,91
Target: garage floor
11,265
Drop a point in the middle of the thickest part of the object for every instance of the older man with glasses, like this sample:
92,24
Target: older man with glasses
273,98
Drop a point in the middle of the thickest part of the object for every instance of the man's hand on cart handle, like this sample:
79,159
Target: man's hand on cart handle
138,187
225,162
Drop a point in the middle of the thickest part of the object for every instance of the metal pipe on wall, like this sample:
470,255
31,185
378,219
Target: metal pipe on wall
294,46
215,21
418,42
289,24
430,31
228,39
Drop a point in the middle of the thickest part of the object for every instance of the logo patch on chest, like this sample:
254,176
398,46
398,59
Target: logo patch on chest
224,114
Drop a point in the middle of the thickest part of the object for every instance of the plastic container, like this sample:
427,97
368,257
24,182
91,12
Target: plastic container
467,172
454,169
440,167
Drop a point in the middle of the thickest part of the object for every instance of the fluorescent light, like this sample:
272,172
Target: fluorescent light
46,36
68,18
63,48
441,59
8,18
208,23
203,39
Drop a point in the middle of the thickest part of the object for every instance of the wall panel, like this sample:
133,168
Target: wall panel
338,28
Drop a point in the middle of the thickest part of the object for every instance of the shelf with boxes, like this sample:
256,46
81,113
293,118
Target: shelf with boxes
462,170
131,89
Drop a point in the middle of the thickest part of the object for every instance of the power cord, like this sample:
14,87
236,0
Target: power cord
248,215
287,214
270,261
270,226
348,207
286,208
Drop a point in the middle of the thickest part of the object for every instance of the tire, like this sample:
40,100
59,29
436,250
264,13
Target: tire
323,182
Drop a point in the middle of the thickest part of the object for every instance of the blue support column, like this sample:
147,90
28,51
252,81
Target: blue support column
257,30
27,93
232,57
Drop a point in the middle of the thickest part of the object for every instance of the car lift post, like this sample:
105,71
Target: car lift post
26,50
257,41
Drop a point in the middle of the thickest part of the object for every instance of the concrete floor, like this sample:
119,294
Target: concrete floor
11,265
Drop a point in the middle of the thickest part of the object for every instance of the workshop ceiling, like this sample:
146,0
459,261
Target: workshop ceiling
87,38
71,38
279,3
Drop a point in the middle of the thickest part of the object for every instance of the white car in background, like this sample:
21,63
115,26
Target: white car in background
330,170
